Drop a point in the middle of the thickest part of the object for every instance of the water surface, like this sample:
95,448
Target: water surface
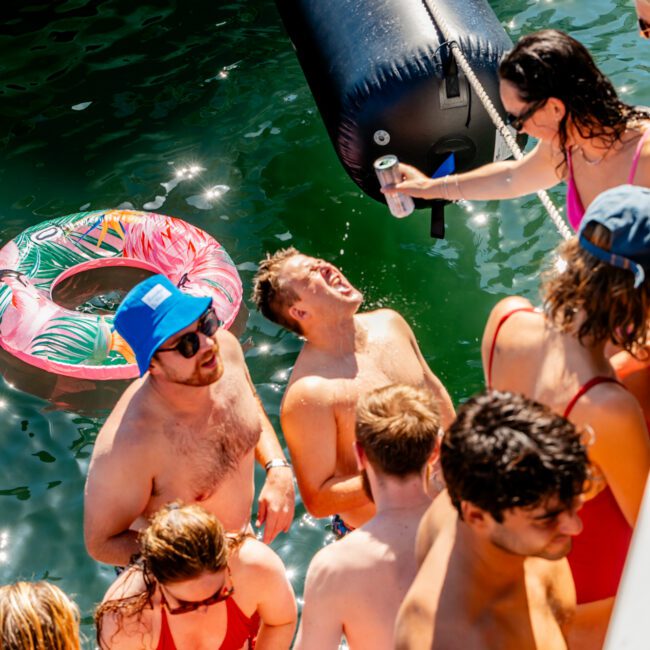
129,104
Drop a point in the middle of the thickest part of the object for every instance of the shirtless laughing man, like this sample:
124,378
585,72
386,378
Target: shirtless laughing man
495,573
189,429
346,355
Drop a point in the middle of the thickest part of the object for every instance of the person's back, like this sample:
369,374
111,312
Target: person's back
493,573
557,356
355,586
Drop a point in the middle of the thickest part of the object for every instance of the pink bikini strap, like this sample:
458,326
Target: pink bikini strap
637,156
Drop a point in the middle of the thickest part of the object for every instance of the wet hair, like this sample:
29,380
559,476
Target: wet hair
181,543
580,282
550,63
506,451
397,426
270,295
37,616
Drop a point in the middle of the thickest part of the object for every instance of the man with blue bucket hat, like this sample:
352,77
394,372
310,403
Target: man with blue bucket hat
189,428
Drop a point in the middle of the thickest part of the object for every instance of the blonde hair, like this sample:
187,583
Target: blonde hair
397,426
37,616
271,296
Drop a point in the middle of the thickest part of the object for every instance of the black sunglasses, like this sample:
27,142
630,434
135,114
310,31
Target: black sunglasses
185,606
188,345
517,121
644,28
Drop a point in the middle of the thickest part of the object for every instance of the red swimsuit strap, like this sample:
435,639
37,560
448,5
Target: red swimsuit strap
594,381
504,318
240,627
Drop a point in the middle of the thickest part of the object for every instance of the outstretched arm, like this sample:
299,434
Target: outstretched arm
310,430
499,180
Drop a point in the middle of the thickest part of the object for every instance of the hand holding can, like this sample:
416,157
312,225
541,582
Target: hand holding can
386,168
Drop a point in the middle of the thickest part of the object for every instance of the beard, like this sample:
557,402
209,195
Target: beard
200,376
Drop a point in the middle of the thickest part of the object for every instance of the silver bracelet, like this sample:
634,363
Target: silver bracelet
277,462
445,189
460,194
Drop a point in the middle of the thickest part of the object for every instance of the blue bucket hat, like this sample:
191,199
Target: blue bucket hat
153,311
625,212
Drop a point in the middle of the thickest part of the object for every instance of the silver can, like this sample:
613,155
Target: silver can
400,205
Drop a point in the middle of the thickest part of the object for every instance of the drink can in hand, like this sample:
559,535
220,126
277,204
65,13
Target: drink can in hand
400,205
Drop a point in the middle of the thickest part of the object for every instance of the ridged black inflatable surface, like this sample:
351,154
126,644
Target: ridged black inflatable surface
384,82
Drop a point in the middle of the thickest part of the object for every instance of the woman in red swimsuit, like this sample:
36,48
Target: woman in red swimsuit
557,356
195,588
553,91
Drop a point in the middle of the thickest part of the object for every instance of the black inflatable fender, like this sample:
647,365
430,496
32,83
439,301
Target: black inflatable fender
384,80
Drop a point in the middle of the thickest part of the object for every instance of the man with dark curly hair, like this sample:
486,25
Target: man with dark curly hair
492,547
597,293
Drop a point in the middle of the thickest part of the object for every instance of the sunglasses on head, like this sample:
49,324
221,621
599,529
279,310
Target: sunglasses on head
644,28
185,606
188,345
517,121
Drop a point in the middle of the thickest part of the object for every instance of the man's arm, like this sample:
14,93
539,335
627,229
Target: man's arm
310,430
445,405
277,498
117,491
321,625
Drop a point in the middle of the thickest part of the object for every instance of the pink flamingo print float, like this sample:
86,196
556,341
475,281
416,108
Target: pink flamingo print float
34,328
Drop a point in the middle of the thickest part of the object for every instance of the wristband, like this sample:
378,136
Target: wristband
277,462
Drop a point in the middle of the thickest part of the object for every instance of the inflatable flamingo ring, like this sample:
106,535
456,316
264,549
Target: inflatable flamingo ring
44,334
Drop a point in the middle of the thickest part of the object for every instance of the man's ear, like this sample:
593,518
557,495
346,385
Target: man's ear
360,455
297,314
475,517
154,366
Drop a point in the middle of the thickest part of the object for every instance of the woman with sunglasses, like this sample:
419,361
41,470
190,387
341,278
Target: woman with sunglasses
587,136
196,587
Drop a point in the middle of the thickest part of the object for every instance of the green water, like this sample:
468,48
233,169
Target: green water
101,102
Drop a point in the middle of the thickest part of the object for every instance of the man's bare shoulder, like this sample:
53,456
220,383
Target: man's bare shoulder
230,347
129,423
415,622
307,391
384,318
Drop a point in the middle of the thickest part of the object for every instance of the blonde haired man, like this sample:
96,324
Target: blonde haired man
355,587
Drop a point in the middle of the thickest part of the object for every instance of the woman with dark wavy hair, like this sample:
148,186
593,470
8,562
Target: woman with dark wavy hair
597,293
196,587
553,91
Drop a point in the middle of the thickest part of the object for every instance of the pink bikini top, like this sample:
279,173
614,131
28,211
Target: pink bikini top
575,210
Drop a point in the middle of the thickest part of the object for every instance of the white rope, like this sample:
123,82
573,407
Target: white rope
553,212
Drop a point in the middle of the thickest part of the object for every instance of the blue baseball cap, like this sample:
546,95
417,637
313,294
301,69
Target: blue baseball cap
153,311
625,212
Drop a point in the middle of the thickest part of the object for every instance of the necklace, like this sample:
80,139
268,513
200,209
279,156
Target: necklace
595,162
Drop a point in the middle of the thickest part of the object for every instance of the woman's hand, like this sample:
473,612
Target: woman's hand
414,183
